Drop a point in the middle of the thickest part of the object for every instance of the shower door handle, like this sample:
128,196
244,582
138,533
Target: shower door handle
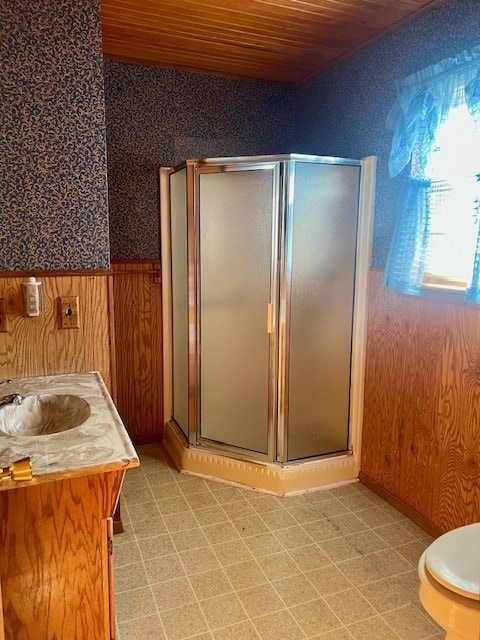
270,318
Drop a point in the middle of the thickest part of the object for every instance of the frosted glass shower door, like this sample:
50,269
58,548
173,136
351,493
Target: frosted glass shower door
236,216
178,231
323,237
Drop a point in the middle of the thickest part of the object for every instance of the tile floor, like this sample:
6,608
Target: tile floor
199,559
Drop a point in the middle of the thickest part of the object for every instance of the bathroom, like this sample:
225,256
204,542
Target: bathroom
82,153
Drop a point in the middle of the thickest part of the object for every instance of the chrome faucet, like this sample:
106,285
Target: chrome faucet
13,398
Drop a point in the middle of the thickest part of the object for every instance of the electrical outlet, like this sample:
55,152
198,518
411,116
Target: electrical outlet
3,316
68,312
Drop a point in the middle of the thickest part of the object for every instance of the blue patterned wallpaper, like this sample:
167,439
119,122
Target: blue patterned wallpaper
343,110
157,117
53,188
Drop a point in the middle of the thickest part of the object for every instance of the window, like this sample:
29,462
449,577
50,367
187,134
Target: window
454,200
436,144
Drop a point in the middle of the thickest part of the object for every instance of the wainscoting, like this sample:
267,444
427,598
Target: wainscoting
138,346
37,346
421,431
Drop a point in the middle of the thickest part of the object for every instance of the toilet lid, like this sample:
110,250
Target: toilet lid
454,560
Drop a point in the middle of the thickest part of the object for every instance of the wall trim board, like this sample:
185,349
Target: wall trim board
401,506
113,358
55,273
132,262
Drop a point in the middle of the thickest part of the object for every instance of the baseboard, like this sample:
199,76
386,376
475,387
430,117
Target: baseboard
267,477
401,506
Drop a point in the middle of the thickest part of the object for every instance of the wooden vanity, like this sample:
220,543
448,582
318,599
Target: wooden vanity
56,574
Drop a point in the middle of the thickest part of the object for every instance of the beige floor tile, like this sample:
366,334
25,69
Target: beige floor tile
264,504
138,496
389,593
167,490
241,631
321,495
344,490
135,604
412,551
374,628
236,510
328,580
189,539
315,617
223,611
295,589
337,634
149,527
149,627
245,574
175,504
130,576
360,570
210,515
201,500
366,542
164,568
173,593
260,600
225,494
339,549
356,501
309,557
321,530
394,534
126,553
410,623
160,477
373,517
156,546
279,625
278,565
199,561
232,552
350,606
293,537
211,583
183,622
180,521
278,519
347,523
417,532
127,535
307,513
143,511
332,507
190,485
264,544
250,526
389,562
221,532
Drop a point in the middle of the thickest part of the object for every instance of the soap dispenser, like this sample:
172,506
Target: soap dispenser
32,296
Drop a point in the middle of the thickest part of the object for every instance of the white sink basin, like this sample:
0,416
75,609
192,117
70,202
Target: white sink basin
43,415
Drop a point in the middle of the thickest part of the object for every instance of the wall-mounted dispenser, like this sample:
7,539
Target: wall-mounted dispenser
32,296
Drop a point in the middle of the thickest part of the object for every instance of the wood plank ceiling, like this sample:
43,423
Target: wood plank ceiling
276,41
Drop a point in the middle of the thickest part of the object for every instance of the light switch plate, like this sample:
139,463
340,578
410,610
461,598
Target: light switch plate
3,316
68,312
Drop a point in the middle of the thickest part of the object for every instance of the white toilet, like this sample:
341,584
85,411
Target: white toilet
449,572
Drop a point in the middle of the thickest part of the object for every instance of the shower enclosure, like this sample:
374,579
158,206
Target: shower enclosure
266,268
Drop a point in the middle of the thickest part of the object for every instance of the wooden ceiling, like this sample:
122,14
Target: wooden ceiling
275,41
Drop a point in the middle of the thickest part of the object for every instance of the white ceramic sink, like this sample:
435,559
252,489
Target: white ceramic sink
43,415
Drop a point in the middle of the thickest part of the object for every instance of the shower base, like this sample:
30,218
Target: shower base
269,477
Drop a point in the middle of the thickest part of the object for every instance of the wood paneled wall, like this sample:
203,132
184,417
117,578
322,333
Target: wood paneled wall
37,346
421,431
138,342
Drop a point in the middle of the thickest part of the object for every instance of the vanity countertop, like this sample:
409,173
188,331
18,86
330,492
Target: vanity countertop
98,445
